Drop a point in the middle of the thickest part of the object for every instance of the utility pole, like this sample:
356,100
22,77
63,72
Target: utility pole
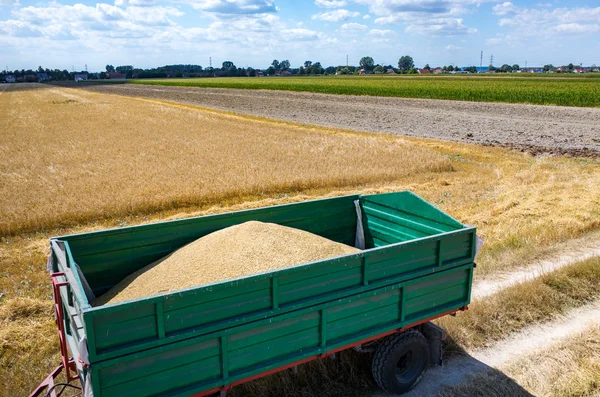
481,60
210,62
346,60
86,68
526,64
492,60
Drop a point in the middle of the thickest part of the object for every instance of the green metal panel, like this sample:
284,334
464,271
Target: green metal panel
410,240
404,216
197,364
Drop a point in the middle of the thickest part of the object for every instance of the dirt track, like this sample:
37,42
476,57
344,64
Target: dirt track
537,129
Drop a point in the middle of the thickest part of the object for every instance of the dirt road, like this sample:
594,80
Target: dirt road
538,129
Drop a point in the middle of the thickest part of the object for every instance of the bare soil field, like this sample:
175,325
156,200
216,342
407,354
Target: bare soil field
532,128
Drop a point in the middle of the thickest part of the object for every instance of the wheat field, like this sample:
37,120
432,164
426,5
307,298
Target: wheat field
70,156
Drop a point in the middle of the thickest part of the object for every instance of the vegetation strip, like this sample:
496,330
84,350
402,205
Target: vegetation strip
511,310
563,92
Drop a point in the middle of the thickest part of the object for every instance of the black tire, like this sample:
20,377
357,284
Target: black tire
400,361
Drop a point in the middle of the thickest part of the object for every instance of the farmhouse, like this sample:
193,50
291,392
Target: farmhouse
424,71
81,77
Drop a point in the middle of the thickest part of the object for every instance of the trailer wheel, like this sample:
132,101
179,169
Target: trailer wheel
400,361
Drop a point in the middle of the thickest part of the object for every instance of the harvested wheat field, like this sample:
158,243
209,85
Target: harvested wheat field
73,156
75,161
237,251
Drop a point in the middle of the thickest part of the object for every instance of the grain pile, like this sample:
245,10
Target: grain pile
241,250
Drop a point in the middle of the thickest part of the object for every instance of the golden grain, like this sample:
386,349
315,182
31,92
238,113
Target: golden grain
236,251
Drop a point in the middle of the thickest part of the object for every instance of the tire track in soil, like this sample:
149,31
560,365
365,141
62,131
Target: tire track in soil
570,252
534,338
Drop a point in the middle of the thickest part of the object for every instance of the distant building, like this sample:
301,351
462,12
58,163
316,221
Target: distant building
260,73
424,71
438,70
43,77
286,73
115,76
390,71
81,77
10,79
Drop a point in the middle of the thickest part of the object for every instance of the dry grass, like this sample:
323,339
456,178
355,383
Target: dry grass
512,309
70,156
569,368
105,161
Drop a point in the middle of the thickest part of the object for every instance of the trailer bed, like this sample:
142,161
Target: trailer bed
417,265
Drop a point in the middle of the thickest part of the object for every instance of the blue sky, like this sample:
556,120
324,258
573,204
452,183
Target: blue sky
72,33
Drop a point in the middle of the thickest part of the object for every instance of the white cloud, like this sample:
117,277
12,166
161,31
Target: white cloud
367,16
330,3
451,47
381,32
576,28
440,27
537,22
354,27
428,17
234,7
9,3
336,15
300,34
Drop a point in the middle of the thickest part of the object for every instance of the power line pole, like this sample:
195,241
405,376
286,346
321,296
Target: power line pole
210,62
481,60
346,60
492,60
86,68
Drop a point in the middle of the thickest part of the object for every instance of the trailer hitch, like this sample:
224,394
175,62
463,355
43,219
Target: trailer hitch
67,363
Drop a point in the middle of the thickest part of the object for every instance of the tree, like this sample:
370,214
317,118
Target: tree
549,68
491,68
275,64
406,63
284,65
366,63
515,67
427,67
570,67
227,65
316,68
271,71
307,65
110,68
330,70
378,69
301,71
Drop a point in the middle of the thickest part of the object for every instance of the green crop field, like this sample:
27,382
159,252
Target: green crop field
546,90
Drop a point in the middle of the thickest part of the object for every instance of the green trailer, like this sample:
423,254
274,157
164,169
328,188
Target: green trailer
417,264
